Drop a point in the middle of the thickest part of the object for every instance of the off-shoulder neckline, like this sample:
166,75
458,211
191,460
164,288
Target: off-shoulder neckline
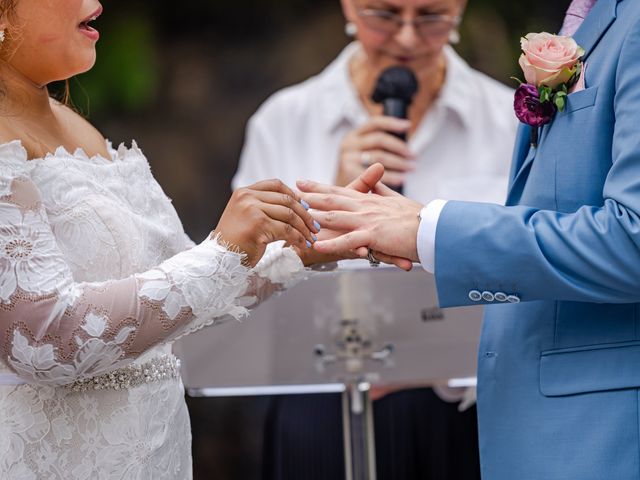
79,153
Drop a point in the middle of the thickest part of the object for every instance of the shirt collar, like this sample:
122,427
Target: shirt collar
341,103
339,97
456,95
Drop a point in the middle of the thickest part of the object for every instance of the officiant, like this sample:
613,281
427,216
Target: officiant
460,131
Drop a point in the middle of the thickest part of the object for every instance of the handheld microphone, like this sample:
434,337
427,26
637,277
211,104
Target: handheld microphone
395,89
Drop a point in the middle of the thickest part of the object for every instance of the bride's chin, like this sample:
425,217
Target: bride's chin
84,70
86,65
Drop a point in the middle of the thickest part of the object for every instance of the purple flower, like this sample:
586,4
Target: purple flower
528,108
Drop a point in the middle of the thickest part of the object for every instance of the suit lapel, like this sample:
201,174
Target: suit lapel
595,25
588,35
522,145
523,157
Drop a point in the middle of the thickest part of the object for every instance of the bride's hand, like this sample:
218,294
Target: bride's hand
262,213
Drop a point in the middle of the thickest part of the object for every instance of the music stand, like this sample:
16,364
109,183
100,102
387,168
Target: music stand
340,331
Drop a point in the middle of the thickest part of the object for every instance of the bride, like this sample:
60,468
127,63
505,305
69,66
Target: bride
97,277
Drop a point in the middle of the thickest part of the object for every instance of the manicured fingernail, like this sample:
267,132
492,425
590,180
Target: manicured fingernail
304,204
308,244
317,225
315,239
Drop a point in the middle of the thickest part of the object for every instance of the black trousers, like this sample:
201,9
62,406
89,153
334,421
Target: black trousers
418,436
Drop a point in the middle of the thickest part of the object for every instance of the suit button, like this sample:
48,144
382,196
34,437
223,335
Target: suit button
500,296
475,295
487,296
513,299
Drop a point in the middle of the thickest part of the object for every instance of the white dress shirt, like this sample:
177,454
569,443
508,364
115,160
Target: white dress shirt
463,145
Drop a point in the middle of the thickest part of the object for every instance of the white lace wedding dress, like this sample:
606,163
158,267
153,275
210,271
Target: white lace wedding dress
97,278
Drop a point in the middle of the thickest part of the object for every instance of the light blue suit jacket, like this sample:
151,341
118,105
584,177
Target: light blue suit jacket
559,372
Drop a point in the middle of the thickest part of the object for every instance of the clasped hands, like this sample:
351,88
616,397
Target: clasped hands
364,215
323,223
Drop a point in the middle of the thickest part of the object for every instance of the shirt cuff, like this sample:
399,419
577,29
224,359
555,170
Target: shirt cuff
426,241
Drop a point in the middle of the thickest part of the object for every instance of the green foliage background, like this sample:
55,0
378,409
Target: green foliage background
134,33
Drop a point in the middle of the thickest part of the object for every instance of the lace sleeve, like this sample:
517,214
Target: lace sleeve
188,242
279,268
54,331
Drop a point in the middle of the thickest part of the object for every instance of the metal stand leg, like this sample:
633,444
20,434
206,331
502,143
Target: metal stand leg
359,439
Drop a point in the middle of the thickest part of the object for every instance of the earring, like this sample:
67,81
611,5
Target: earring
351,29
454,37
1,36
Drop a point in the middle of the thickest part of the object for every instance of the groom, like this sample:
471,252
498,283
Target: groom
559,359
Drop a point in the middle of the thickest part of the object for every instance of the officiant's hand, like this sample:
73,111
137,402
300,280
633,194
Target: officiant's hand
372,143
385,222
262,213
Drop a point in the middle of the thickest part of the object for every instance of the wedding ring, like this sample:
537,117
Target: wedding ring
365,159
373,261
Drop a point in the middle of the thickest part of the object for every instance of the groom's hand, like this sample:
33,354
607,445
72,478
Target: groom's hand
386,223
371,181
365,183
368,181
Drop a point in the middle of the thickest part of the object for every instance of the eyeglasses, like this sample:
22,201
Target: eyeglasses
427,26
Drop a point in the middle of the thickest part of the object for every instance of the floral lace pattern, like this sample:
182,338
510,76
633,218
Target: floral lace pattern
96,273
50,433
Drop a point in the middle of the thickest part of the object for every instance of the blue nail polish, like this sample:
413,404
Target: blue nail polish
304,204
317,225
315,239
308,244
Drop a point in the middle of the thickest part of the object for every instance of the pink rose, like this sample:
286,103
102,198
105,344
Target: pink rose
549,59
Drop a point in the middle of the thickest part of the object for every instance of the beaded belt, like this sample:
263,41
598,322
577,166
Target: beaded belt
163,367
160,368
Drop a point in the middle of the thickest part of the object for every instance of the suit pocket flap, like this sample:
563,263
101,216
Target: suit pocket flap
582,99
590,369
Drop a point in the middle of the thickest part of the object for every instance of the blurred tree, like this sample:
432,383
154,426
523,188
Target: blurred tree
492,29
125,77
134,35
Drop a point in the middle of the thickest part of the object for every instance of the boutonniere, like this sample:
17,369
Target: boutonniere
552,64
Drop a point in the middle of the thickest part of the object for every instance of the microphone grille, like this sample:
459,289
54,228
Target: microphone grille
395,82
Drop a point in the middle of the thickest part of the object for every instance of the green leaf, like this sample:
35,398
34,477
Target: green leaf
127,76
576,75
545,93
560,102
545,96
